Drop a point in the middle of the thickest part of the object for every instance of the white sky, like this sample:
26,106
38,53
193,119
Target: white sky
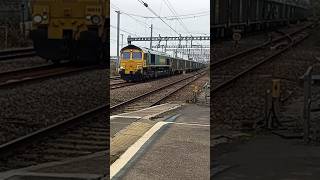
140,26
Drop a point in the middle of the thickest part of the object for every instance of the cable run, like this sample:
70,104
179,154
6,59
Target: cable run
123,30
147,6
174,12
204,13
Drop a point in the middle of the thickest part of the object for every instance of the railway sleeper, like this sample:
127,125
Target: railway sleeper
90,137
19,163
35,158
82,141
95,129
82,147
66,152
91,133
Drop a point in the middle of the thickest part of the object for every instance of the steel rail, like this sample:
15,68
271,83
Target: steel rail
269,58
121,85
23,141
176,90
253,49
117,106
16,77
17,53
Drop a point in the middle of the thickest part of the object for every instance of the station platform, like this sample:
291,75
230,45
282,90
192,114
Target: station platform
176,147
180,149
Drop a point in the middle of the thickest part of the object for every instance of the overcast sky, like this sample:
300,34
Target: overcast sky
197,21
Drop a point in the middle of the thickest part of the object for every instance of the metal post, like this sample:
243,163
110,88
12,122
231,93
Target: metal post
121,40
23,23
118,39
151,27
6,37
165,49
5,28
307,103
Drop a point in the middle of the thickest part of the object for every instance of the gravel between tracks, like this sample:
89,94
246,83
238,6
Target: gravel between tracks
244,101
30,107
226,48
14,64
186,93
123,94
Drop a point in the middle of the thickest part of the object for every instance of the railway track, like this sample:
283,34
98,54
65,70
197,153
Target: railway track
16,77
153,97
121,85
115,77
80,135
229,69
17,53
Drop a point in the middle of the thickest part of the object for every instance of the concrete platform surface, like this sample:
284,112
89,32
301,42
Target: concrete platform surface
267,157
178,150
119,122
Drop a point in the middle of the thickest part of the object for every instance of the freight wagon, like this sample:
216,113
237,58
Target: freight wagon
254,15
137,63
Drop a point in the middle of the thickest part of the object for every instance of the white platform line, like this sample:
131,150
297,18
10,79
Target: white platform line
133,149
153,107
125,116
191,124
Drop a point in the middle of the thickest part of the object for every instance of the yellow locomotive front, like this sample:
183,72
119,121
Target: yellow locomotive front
70,29
132,62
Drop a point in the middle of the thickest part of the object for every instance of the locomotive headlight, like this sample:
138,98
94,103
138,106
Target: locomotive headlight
37,19
45,17
95,19
88,17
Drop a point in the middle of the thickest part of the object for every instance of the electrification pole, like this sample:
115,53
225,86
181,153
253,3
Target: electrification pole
118,40
165,49
121,40
151,36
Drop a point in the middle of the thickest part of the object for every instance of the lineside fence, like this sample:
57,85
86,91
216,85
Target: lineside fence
15,24
311,110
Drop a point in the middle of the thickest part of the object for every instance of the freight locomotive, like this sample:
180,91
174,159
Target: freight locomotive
73,30
254,15
137,63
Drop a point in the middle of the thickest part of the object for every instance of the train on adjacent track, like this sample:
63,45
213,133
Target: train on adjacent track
254,15
137,63
74,30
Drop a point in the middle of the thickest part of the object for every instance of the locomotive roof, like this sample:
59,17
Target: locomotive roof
146,50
